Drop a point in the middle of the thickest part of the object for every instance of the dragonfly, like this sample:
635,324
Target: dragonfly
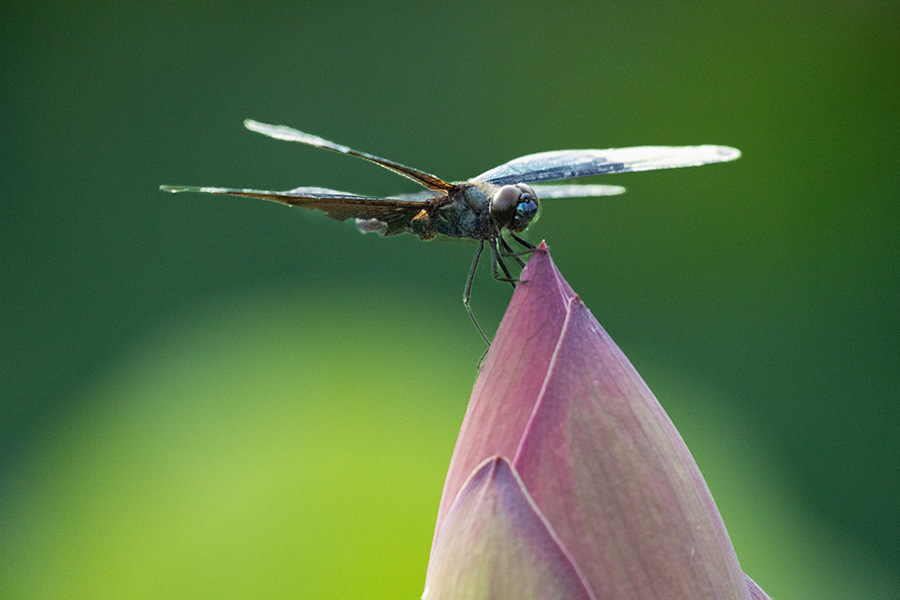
503,200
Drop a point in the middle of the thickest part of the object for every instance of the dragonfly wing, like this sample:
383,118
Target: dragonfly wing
568,164
576,191
422,196
283,132
395,213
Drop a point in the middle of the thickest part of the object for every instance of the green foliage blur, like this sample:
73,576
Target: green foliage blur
215,397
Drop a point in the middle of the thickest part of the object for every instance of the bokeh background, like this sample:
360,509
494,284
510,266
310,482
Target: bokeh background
217,397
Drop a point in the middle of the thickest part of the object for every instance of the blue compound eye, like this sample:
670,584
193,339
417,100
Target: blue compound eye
526,210
514,206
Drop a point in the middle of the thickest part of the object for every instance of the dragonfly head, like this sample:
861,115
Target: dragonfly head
514,207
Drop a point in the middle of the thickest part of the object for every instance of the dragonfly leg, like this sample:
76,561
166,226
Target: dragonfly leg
505,250
498,260
531,247
468,293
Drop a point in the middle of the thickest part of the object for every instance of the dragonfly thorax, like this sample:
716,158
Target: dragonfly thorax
479,211
514,207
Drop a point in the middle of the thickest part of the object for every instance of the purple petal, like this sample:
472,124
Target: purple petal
495,544
756,592
609,470
513,373
595,451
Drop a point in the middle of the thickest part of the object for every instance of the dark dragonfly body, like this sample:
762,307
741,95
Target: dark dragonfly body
498,200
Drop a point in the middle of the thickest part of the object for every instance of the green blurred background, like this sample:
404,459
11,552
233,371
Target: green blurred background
217,397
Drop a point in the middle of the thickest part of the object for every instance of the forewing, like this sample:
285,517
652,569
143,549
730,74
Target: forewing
422,196
568,164
283,132
395,213
576,191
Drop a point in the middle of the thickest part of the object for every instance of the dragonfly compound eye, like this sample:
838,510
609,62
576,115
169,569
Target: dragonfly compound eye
514,206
